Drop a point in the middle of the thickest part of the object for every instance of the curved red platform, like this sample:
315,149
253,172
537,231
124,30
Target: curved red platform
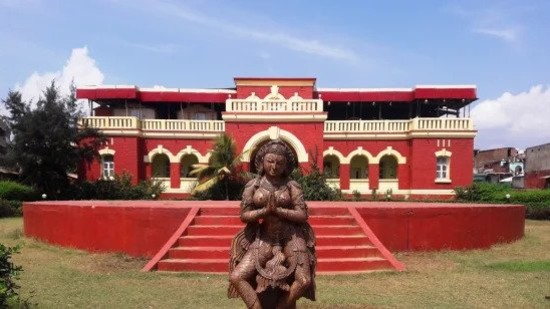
141,228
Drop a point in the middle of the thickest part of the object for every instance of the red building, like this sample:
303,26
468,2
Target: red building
410,142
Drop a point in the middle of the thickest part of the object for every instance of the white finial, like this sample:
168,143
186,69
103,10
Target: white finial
274,90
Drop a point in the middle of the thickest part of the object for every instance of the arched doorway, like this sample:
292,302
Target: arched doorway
254,152
186,165
161,166
331,166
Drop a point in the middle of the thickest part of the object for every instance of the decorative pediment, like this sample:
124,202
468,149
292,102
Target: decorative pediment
274,102
253,97
274,95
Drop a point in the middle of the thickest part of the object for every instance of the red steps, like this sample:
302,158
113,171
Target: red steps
342,245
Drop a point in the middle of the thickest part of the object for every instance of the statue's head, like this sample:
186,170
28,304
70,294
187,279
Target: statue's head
279,148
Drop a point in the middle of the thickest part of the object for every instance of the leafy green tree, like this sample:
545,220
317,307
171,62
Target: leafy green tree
47,142
222,175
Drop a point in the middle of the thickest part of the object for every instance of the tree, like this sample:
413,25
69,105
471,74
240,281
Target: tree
47,142
223,171
314,184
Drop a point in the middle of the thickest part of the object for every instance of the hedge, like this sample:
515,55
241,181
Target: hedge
11,190
536,201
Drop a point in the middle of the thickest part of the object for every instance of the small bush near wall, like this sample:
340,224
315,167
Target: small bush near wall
119,188
11,190
536,201
315,186
10,208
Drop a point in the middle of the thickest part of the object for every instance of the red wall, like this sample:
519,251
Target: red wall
417,173
309,133
131,227
374,148
140,228
444,226
128,156
423,162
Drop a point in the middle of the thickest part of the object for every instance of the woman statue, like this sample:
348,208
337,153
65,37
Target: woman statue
272,260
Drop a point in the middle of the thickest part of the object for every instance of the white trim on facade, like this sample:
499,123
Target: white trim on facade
392,152
254,117
106,151
272,133
188,150
360,152
333,152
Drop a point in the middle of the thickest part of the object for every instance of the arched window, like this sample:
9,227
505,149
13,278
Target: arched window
107,166
186,164
442,168
388,167
331,166
161,166
359,167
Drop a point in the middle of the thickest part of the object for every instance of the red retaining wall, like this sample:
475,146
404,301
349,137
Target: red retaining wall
140,228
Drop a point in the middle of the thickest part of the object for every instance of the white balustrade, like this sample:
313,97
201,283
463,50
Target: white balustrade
279,106
106,123
442,124
366,126
346,126
183,125
121,123
399,126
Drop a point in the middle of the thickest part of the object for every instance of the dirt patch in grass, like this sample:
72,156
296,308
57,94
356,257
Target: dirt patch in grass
111,263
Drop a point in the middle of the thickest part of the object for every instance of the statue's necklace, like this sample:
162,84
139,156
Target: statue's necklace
272,187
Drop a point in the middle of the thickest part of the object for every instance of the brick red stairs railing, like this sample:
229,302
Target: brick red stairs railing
345,244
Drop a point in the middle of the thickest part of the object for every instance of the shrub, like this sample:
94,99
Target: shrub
482,192
356,195
11,190
8,273
537,202
314,186
537,211
374,194
119,188
10,208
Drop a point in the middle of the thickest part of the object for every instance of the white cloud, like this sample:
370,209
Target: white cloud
502,23
80,68
257,33
518,120
507,34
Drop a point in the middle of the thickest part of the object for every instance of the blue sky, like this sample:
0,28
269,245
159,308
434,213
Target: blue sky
502,47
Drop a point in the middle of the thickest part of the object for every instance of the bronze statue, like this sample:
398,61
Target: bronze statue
272,260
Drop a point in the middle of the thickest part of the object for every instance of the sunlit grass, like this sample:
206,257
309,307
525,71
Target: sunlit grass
520,266
515,275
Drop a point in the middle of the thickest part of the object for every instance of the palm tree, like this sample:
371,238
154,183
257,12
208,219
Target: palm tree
223,166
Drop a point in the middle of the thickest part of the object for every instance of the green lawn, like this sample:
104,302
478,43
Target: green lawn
515,275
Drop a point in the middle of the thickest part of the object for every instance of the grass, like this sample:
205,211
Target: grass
515,275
